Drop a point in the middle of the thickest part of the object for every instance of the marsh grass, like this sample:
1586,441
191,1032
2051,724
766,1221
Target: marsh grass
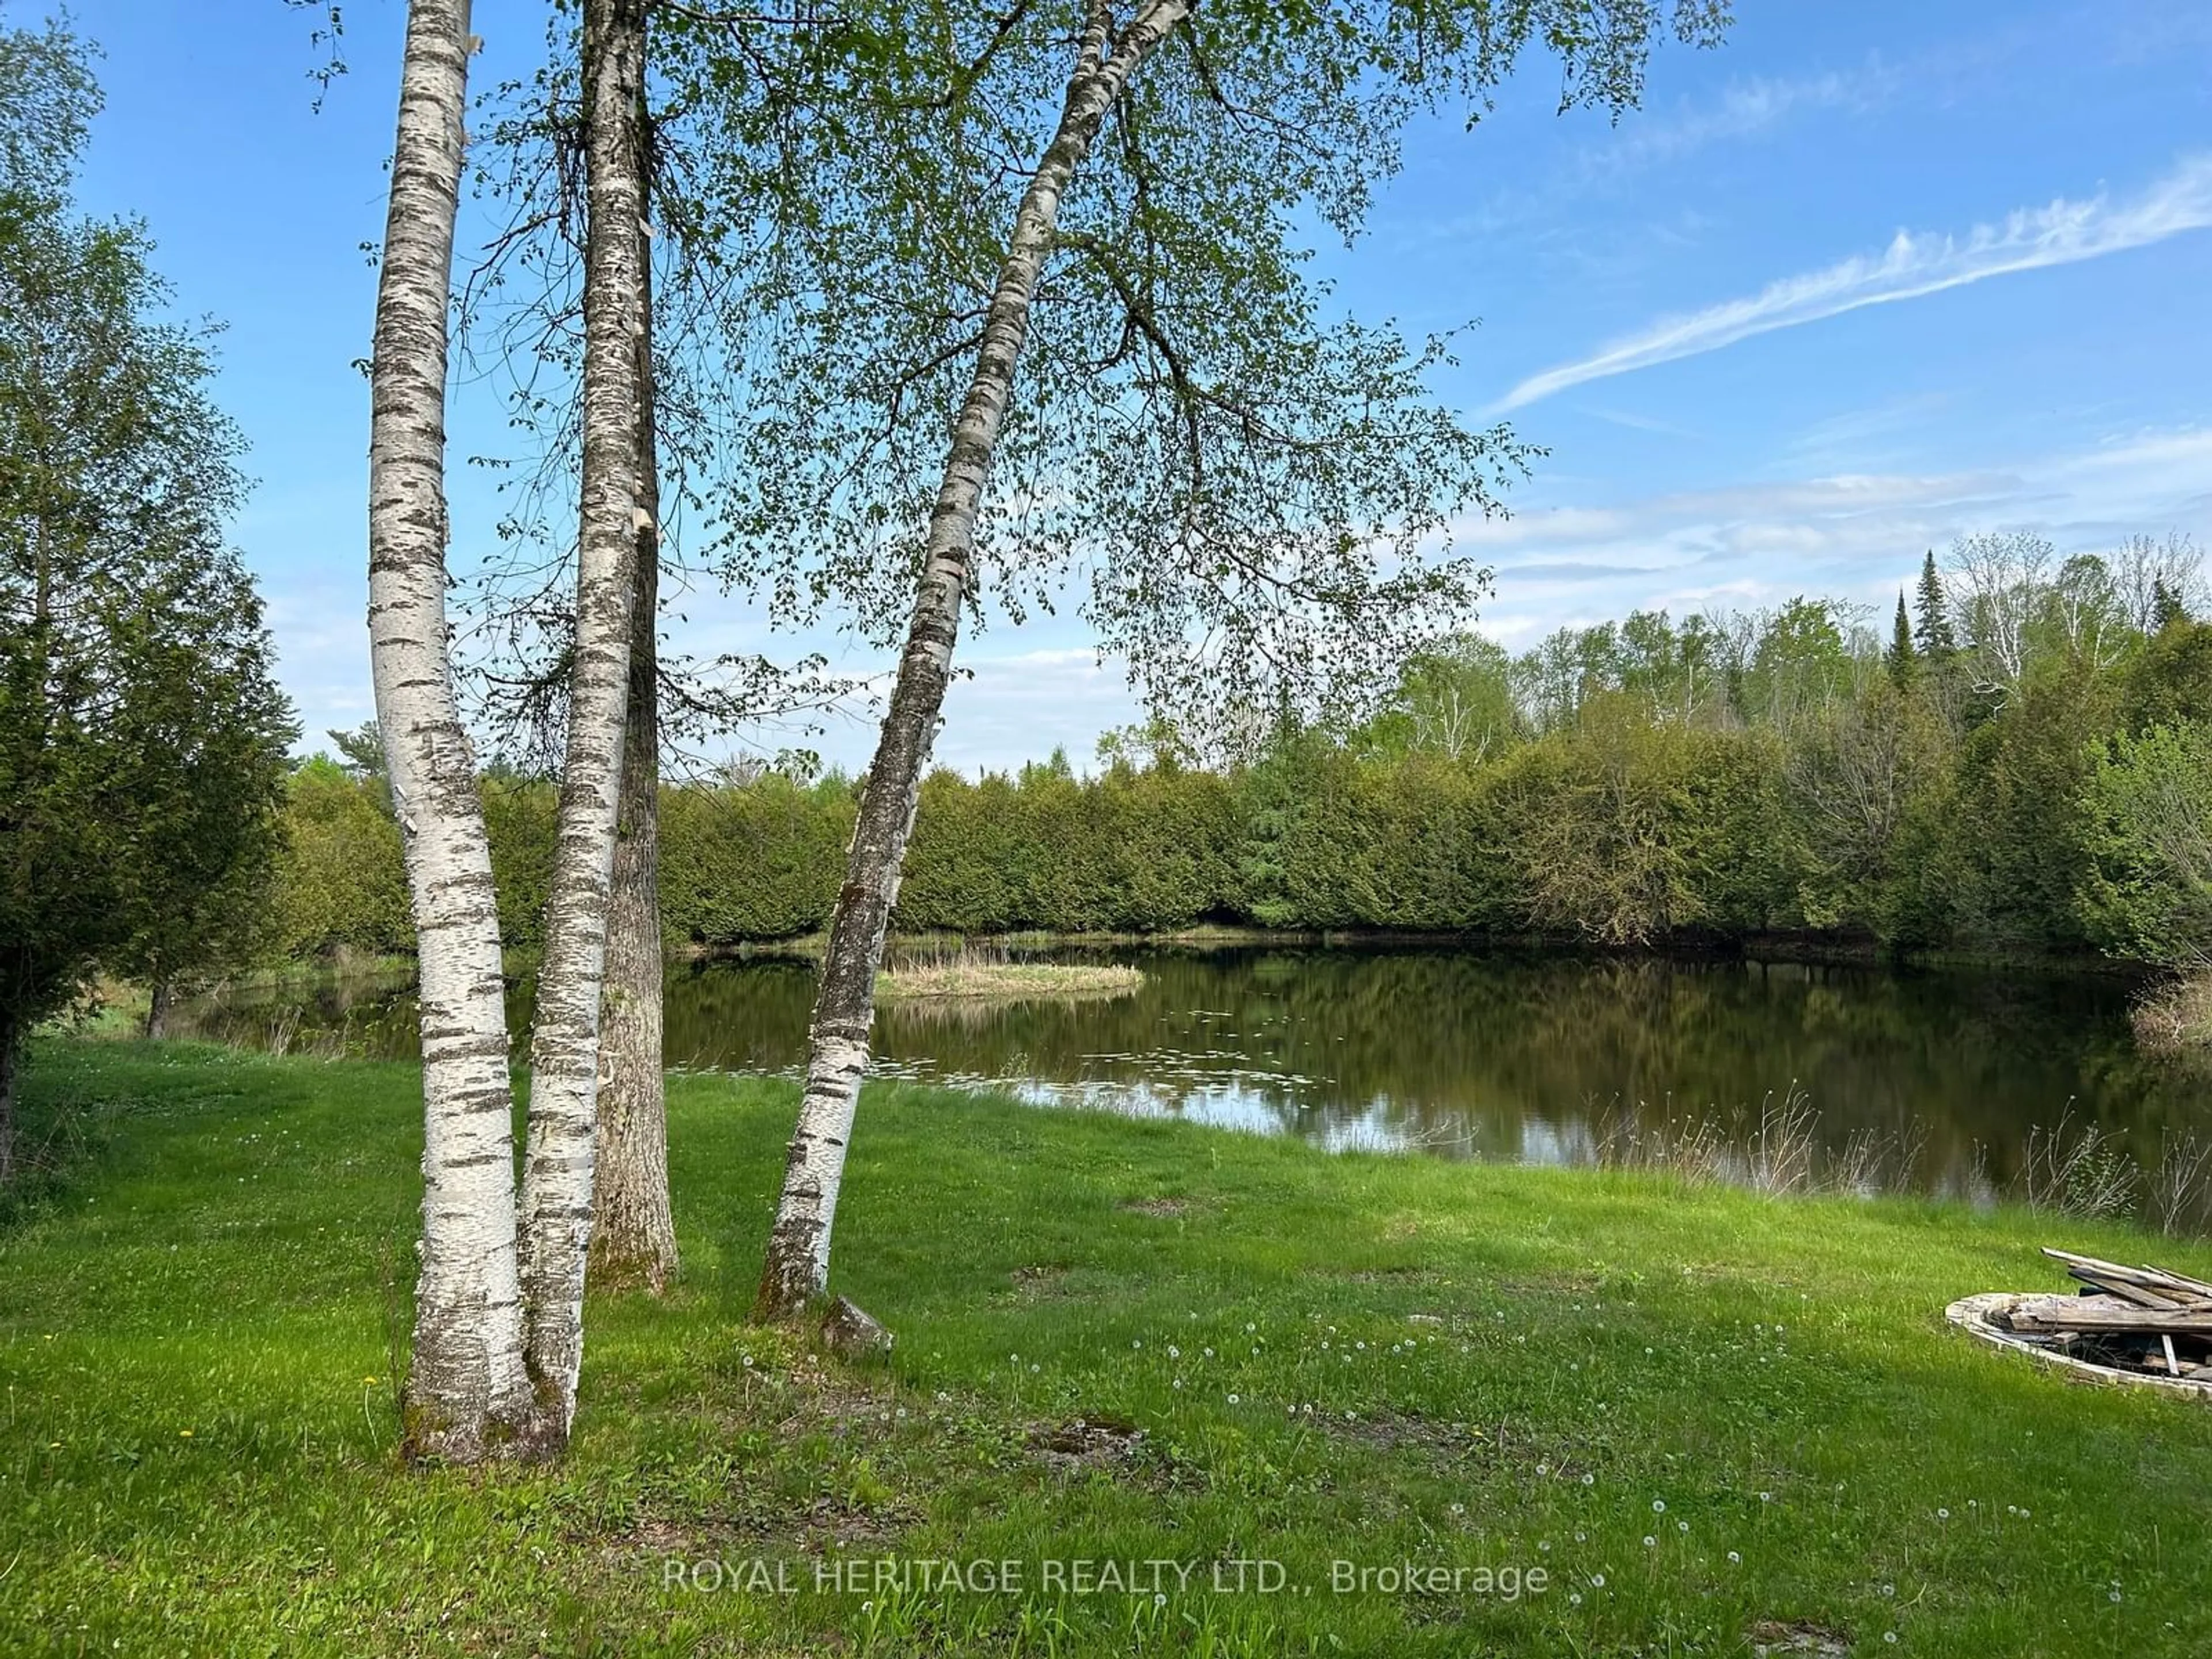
2075,1168
2174,1019
973,973
1776,1151
1701,1411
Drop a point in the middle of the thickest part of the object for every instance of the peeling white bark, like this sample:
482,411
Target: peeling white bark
468,1394
633,1226
564,1054
797,1269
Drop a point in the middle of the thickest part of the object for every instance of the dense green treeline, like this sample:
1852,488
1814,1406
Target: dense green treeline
2027,765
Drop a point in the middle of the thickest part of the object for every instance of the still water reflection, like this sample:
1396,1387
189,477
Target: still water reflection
1538,1058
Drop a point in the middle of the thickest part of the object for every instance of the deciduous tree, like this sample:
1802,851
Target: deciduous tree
1258,464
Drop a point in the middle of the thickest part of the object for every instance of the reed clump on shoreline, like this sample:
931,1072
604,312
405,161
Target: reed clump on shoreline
979,977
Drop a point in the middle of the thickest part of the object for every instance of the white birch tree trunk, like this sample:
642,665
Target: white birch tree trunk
468,1394
633,1228
564,1053
797,1269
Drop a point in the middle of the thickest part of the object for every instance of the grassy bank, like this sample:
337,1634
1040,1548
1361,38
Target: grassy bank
1347,1359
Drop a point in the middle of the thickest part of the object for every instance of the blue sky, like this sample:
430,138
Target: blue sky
1866,277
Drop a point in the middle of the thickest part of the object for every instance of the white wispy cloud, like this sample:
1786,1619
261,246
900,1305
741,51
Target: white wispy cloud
1743,109
2064,233
1852,536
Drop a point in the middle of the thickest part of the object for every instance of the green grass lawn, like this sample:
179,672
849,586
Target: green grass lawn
1697,1414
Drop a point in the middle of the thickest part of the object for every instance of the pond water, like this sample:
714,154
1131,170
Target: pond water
1935,1080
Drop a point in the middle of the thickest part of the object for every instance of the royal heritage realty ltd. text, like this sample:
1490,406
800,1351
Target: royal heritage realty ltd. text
1084,1575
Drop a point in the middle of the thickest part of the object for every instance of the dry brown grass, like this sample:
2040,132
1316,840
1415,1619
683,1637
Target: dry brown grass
974,975
2176,1018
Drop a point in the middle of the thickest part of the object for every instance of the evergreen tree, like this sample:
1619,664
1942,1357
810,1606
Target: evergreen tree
142,737
1933,634
2166,607
1901,657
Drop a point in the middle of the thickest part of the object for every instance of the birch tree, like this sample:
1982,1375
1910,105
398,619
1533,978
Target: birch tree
634,1226
500,1317
1284,485
468,1390
564,1069
837,1043
718,188
2003,580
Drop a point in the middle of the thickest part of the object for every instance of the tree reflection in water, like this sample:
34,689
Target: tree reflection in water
1540,1058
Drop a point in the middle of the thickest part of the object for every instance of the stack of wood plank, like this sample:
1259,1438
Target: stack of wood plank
2131,1317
